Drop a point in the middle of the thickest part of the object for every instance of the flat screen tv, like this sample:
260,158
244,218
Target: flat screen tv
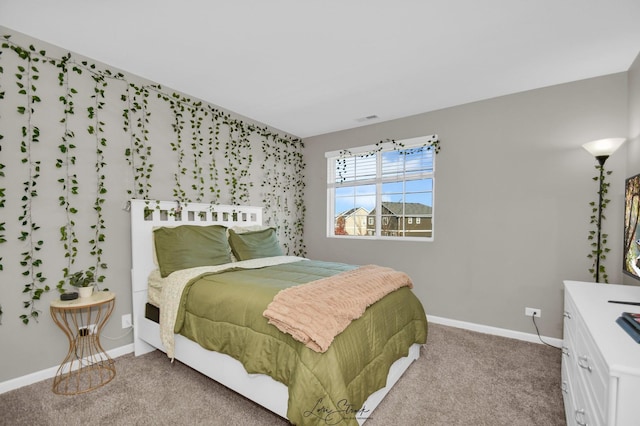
631,256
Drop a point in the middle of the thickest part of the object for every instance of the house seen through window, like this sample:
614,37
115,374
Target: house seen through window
383,191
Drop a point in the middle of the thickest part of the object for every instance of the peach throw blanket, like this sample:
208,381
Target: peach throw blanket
316,312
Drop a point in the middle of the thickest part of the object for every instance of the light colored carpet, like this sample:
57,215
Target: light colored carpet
461,378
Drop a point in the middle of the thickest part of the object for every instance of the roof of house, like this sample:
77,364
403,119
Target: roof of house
410,209
352,211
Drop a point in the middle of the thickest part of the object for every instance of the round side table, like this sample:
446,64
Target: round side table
86,366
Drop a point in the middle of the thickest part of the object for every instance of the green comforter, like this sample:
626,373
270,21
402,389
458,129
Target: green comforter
223,312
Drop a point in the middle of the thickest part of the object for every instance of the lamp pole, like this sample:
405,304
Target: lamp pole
601,149
601,160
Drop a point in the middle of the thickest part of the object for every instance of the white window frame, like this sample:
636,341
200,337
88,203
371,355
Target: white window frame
333,156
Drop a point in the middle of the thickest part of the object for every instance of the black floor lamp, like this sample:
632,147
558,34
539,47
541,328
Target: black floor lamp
601,149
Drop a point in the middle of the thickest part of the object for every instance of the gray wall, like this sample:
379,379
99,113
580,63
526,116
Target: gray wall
40,345
633,145
512,194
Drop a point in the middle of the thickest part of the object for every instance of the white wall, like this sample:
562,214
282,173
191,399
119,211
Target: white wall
512,194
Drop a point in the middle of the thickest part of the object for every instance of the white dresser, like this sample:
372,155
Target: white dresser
600,362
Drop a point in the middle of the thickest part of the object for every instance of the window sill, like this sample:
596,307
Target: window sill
369,238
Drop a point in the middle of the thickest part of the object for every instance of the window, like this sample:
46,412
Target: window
378,191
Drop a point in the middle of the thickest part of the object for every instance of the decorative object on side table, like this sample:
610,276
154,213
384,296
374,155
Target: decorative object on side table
86,366
601,149
69,295
83,280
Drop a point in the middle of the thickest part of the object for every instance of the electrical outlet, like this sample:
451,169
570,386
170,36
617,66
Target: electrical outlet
126,321
533,312
85,331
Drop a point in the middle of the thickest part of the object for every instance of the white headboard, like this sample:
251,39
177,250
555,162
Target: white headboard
149,214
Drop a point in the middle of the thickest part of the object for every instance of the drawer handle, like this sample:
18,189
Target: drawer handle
580,417
583,362
567,315
565,387
565,350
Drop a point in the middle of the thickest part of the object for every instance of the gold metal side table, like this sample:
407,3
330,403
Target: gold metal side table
86,366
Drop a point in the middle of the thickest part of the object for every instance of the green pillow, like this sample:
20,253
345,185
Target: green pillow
255,244
188,246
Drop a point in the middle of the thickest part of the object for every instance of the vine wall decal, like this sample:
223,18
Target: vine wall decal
26,78
172,145
96,129
69,180
2,189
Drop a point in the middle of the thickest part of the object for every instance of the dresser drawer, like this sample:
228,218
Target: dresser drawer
592,370
571,319
579,408
568,395
569,364
578,411
583,413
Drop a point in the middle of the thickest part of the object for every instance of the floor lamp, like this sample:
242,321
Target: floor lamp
601,149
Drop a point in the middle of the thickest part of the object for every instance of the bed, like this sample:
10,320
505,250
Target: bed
291,361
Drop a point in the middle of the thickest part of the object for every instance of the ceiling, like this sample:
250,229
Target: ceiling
310,67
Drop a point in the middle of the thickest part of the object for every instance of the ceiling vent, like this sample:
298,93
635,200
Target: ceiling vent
367,118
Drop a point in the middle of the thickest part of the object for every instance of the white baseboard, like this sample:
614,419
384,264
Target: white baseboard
518,335
48,373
